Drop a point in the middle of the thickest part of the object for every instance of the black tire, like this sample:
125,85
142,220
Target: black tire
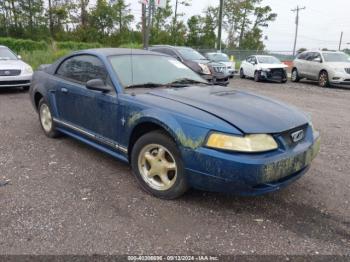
25,88
52,132
241,74
295,75
257,76
179,186
323,79
284,81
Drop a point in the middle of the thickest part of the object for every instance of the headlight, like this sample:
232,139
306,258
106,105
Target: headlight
28,70
249,143
205,69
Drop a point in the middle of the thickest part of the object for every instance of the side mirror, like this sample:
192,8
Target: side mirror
98,85
318,60
19,57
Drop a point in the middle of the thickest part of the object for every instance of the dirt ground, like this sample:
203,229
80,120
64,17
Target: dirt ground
67,198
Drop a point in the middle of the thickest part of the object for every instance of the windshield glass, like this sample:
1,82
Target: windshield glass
218,57
190,54
268,60
336,57
6,54
145,69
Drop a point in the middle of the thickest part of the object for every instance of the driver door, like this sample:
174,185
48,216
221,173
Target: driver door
87,112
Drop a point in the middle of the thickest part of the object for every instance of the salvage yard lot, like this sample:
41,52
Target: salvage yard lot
67,198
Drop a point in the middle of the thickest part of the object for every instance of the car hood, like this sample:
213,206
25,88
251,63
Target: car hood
12,64
272,66
250,113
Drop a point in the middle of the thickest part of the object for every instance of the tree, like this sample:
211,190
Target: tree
175,24
194,31
210,23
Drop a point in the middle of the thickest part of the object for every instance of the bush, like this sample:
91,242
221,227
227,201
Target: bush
19,45
76,45
39,57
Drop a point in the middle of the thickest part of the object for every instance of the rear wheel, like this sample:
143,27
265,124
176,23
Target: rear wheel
158,167
295,75
323,80
257,76
46,120
241,74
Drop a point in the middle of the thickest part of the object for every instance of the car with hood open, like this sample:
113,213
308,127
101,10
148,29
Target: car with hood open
327,67
264,67
219,57
213,72
175,129
13,71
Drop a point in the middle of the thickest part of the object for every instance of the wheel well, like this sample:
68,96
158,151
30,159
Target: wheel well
142,129
323,70
37,98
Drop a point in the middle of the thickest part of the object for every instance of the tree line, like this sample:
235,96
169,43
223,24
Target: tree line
113,23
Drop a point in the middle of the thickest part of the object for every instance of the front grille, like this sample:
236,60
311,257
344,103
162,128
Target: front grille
10,72
277,73
347,70
219,69
10,83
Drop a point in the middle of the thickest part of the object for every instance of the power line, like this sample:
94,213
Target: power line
297,10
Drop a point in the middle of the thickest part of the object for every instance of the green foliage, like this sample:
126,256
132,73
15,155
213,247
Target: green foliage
39,57
70,45
18,45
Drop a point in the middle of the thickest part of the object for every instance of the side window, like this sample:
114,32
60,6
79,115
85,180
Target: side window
310,56
302,56
83,68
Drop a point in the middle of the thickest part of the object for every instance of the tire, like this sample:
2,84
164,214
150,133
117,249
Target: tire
46,120
157,165
257,76
295,75
323,79
284,81
25,88
241,74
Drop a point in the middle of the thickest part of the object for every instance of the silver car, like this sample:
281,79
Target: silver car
327,67
13,71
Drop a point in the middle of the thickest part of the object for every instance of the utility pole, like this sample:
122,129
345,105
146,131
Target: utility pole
297,10
341,40
218,46
148,31
144,25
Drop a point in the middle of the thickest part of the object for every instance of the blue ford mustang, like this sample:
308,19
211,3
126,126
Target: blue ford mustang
174,129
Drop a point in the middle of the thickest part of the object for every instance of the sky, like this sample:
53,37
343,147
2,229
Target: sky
320,24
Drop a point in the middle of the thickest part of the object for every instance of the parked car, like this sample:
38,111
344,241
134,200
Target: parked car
13,71
263,67
173,128
326,67
213,72
222,58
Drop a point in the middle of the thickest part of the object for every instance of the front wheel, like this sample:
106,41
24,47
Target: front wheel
323,80
157,165
257,76
241,74
295,76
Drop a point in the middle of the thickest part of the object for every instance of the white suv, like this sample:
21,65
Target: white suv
326,67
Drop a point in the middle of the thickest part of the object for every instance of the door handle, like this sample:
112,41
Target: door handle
64,90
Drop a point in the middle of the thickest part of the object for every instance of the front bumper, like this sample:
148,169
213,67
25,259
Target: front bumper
15,81
249,174
340,79
275,75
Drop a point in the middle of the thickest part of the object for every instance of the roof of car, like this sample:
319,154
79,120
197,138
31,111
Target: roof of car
171,46
118,51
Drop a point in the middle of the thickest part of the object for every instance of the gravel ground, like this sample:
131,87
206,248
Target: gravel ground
67,198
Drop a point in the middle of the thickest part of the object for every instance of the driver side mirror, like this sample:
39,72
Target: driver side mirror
318,60
98,85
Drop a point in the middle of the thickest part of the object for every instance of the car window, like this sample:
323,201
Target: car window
268,60
190,54
310,56
336,57
6,54
145,69
302,56
83,68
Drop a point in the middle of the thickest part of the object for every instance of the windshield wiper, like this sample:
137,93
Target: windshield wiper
146,85
187,81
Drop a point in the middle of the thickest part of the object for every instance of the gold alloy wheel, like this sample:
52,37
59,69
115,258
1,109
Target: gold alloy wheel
157,167
45,118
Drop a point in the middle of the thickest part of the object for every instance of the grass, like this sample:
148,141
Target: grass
39,57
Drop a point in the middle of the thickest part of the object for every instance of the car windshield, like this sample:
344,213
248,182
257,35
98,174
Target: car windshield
190,54
336,57
268,60
6,54
151,71
218,57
